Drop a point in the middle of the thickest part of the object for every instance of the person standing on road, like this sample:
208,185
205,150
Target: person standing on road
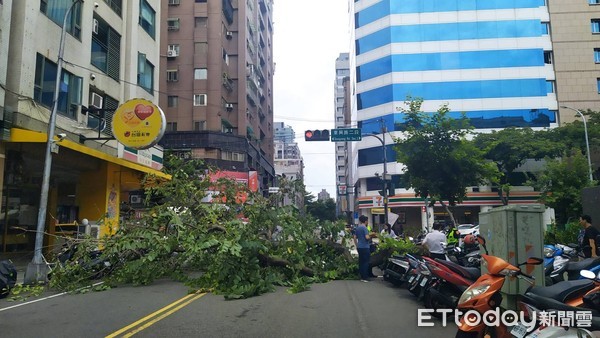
588,241
361,241
433,242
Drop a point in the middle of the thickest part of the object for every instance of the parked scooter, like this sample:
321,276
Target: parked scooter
93,262
397,268
448,282
484,295
419,277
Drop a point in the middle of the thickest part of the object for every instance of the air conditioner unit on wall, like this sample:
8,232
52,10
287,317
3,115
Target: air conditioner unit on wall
229,35
94,231
95,26
173,2
229,106
96,100
136,199
172,53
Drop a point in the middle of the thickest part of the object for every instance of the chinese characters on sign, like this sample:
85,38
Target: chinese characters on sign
346,134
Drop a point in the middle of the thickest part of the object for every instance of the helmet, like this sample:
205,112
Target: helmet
470,240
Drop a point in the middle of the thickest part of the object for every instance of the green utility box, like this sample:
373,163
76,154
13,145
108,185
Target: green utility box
515,233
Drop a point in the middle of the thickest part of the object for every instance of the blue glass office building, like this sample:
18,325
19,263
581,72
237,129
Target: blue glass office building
491,59
484,57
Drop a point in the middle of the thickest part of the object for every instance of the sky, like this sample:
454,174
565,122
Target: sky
308,37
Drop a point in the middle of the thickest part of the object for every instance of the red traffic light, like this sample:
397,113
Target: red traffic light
316,135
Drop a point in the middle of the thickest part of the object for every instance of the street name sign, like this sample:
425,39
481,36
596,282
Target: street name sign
345,134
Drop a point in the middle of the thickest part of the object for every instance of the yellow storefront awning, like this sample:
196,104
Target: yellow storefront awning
376,211
23,135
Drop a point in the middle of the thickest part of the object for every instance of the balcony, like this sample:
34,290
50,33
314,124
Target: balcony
227,82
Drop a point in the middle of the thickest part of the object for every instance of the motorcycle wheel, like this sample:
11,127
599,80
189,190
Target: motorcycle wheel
433,303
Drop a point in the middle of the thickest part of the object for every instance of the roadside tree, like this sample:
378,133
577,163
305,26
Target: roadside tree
440,162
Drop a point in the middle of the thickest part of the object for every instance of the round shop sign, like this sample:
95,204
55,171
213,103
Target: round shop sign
138,124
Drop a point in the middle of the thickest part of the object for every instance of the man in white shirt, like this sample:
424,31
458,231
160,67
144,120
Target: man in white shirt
433,242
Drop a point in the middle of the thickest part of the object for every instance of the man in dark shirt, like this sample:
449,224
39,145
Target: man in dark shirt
588,243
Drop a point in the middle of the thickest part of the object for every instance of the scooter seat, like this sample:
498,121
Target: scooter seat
468,273
585,264
563,290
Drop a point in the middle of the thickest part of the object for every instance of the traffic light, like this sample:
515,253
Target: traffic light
316,135
391,189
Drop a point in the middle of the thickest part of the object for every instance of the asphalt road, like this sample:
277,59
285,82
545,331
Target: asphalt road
165,309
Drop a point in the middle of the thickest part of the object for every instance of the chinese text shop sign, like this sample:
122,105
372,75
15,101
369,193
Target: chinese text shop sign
138,124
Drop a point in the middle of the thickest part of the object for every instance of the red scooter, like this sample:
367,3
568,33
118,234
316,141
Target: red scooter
449,281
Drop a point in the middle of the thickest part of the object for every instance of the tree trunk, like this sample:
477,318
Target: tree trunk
448,211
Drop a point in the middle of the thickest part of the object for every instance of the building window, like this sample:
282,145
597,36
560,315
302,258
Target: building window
173,24
594,2
232,156
201,49
56,10
145,73
172,75
115,5
597,55
595,26
202,1
225,57
172,101
173,50
598,84
200,21
199,125
110,104
545,28
171,126
200,74
106,49
147,17
69,97
548,57
199,99
550,87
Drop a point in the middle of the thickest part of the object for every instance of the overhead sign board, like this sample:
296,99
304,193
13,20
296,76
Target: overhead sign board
345,134
138,124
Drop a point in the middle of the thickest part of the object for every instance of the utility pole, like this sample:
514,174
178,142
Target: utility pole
37,271
385,174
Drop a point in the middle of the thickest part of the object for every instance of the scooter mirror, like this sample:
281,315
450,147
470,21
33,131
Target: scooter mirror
480,240
587,274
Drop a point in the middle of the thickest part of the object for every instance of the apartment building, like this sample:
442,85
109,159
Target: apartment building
575,31
283,133
489,59
111,55
288,161
217,73
342,149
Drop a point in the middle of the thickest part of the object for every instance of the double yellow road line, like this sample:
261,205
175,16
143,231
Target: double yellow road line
156,316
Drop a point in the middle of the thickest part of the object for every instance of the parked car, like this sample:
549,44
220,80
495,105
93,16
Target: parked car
467,229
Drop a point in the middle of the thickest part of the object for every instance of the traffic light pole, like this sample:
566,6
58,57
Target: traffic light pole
385,191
